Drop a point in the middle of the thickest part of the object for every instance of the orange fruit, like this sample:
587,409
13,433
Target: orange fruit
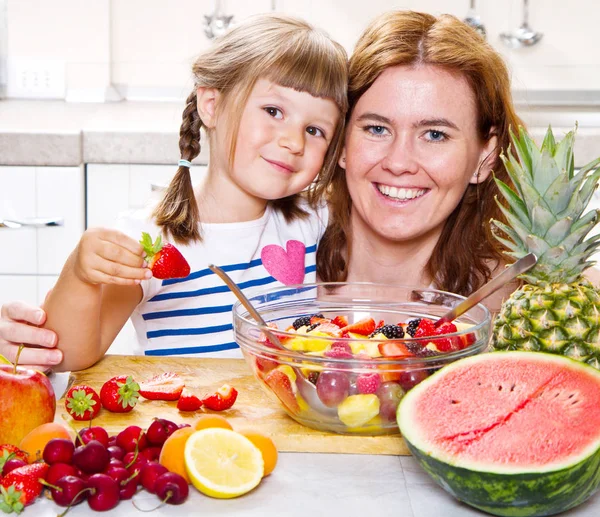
205,421
172,452
33,443
266,447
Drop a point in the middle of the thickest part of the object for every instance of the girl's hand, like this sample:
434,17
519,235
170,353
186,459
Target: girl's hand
19,325
106,256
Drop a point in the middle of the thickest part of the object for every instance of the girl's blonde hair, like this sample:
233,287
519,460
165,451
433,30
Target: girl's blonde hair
283,49
461,260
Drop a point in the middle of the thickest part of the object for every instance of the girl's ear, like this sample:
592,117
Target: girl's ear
206,103
488,155
342,160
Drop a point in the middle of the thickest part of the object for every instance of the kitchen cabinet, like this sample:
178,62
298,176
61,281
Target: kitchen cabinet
41,220
114,188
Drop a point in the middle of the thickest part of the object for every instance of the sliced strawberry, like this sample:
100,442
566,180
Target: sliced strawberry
165,260
281,386
467,340
82,402
120,394
380,324
318,320
340,321
188,401
425,328
328,328
222,399
21,487
166,386
447,344
393,349
363,327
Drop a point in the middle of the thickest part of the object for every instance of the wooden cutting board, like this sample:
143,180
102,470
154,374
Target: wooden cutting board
253,409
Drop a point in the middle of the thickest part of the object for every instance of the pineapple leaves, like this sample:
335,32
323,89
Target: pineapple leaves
514,201
525,148
563,154
549,142
515,243
515,223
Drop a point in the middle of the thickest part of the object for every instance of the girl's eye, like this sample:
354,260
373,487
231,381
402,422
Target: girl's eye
435,135
315,131
274,112
376,130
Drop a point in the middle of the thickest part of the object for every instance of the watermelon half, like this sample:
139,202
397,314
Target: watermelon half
510,433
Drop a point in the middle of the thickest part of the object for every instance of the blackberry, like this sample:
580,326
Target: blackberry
411,328
312,327
304,321
389,331
420,351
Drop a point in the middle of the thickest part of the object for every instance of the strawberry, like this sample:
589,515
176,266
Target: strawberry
20,487
188,401
281,386
318,319
340,321
367,383
393,349
363,327
120,394
165,260
222,399
82,402
447,344
425,328
166,386
328,328
8,451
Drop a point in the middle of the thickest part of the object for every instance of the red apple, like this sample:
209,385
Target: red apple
26,401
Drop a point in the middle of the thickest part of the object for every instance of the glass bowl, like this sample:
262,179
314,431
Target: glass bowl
347,382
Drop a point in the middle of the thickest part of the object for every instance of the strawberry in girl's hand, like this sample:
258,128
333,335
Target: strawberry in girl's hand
21,487
222,399
120,394
82,402
164,260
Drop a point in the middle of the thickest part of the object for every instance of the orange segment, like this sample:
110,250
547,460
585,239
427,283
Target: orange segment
172,452
266,447
34,442
209,420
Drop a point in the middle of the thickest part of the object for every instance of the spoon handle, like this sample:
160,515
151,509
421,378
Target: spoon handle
511,272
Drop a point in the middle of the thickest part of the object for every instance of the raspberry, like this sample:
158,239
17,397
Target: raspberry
389,331
368,383
411,328
338,352
343,345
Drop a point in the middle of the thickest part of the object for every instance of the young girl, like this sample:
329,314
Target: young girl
271,96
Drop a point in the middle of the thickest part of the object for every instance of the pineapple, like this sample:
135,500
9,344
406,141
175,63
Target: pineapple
557,310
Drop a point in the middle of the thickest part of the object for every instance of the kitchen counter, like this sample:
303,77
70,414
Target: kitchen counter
64,134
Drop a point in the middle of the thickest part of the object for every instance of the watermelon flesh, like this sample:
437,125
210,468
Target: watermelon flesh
511,433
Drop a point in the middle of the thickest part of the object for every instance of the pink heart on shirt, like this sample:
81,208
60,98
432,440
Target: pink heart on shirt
287,265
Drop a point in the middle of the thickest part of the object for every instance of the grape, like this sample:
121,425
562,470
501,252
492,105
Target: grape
411,378
332,387
389,393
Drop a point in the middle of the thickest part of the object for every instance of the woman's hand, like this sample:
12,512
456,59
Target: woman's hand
106,256
19,325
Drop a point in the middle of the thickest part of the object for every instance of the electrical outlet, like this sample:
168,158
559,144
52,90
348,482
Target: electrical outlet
36,78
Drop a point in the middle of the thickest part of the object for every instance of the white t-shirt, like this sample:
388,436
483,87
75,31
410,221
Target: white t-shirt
193,315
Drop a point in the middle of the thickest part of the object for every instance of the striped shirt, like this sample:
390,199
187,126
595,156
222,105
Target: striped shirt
192,315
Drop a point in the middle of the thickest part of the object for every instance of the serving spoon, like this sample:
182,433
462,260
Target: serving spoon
510,273
306,388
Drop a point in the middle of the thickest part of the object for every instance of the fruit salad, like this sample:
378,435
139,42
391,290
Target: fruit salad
360,370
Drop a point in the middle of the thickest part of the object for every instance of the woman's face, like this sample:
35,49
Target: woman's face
411,150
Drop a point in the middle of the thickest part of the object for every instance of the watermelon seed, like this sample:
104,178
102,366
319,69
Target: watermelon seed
512,388
499,388
455,402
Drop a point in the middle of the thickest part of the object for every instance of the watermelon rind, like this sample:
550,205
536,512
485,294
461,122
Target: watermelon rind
504,490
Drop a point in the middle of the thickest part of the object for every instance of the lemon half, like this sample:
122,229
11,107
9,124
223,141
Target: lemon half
223,463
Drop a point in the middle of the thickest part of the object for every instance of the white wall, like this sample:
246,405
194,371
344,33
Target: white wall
151,43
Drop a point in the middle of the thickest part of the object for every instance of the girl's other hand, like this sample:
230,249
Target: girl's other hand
19,325
105,256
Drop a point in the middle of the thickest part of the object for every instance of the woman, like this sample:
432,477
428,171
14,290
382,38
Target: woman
412,196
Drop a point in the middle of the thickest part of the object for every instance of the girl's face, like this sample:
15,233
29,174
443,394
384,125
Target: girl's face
411,150
282,140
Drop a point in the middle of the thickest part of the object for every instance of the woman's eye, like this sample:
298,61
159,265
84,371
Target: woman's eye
315,131
377,130
435,135
274,112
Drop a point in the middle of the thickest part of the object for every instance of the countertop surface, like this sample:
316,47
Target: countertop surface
58,133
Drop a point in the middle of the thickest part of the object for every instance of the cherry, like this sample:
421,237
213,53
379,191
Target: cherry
91,458
112,440
104,494
114,462
94,433
68,491
160,430
150,473
131,436
116,452
137,465
12,464
58,450
127,483
59,470
171,488
151,453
